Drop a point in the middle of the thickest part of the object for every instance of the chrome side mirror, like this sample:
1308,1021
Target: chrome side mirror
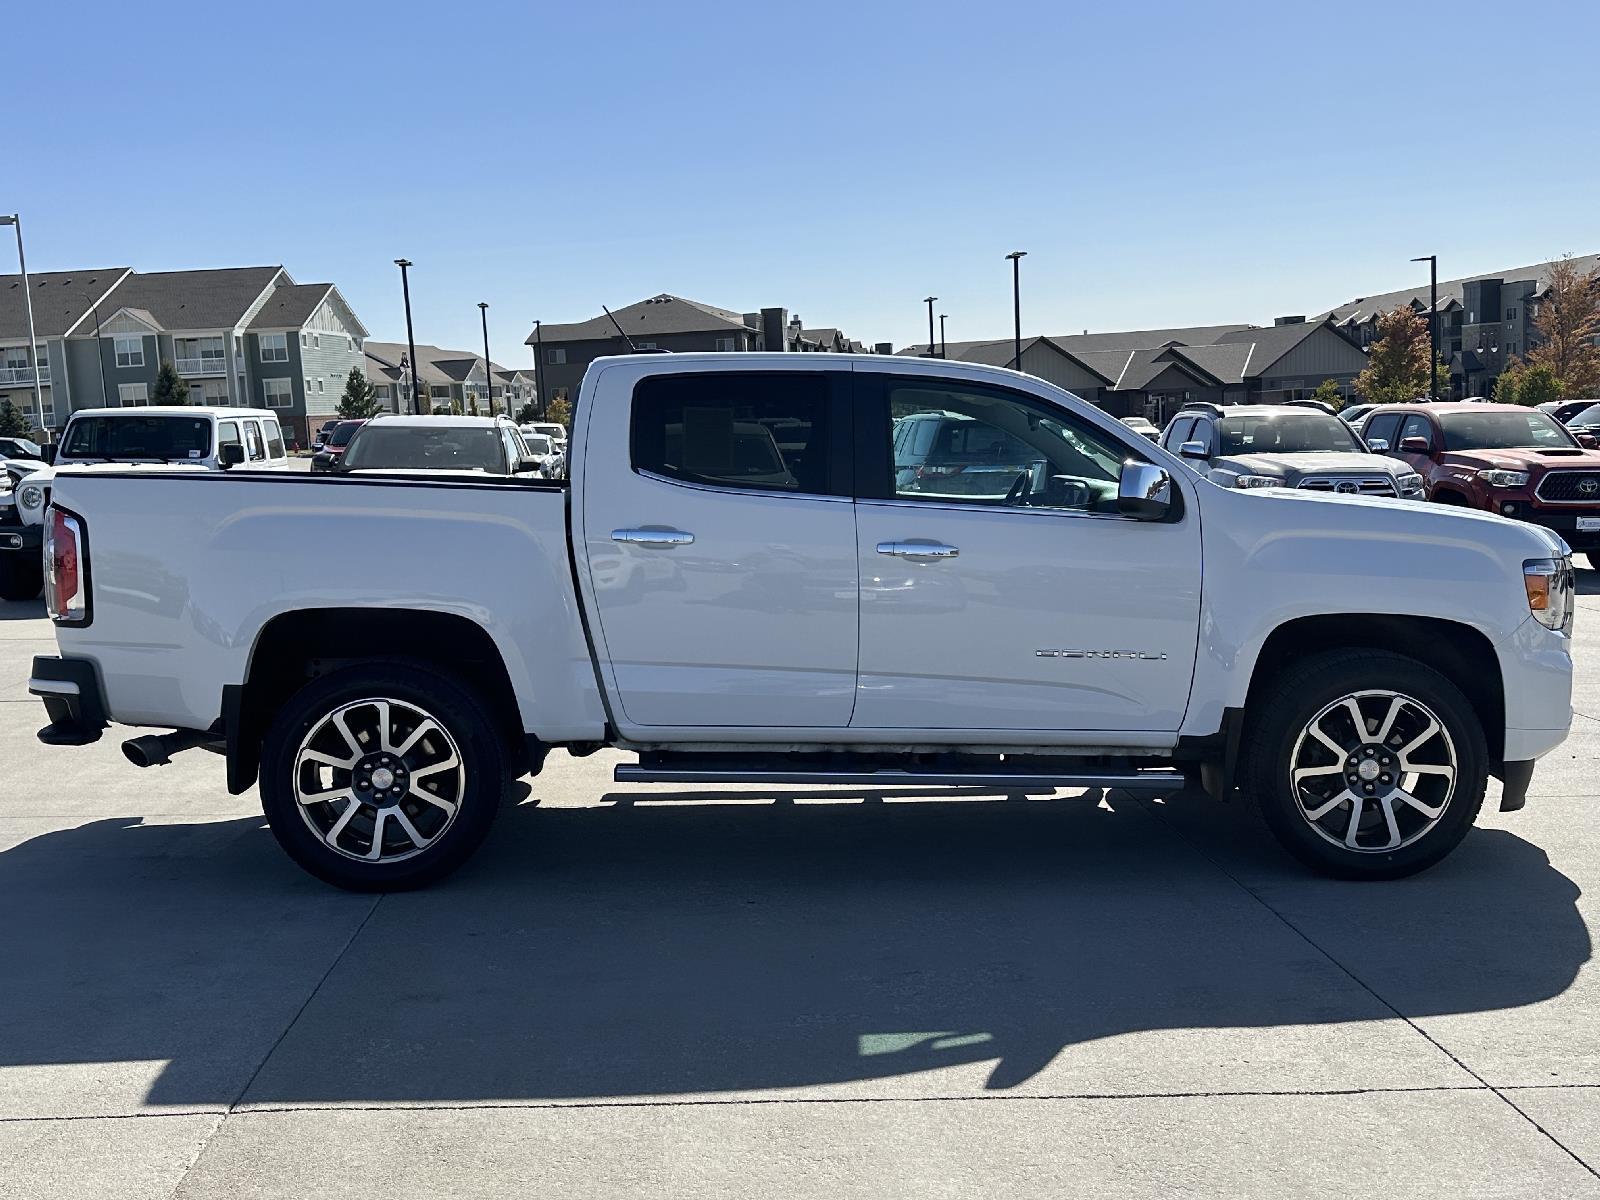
1144,491
1192,450
1378,445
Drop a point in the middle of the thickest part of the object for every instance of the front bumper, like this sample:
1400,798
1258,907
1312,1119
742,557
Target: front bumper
1560,519
29,538
70,689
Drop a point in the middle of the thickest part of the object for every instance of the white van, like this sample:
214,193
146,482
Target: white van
211,439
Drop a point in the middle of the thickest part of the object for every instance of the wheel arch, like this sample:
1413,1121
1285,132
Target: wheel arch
300,645
1462,654
1451,495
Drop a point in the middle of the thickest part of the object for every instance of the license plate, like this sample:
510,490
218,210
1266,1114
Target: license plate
1589,524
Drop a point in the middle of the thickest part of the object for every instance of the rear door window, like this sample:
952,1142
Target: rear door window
761,430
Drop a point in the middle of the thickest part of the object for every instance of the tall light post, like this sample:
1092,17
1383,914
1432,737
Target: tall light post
1015,258
538,367
15,221
411,338
942,353
929,302
488,367
1433,323
99,356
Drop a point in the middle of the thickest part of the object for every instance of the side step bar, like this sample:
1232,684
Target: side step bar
1157,781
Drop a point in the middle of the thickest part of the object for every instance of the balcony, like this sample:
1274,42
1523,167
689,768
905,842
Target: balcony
23,376
205,364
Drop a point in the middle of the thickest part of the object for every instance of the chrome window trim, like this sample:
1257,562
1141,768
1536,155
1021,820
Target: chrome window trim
737,491
1017,509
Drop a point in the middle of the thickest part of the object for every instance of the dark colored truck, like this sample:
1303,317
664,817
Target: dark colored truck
1500,458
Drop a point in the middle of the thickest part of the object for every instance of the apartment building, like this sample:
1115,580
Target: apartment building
1484,320
668,322
451,380
247,336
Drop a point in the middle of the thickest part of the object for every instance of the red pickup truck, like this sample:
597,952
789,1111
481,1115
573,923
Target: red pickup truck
1517,462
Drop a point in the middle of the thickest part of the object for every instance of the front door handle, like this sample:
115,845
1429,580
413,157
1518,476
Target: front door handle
652,537
918,549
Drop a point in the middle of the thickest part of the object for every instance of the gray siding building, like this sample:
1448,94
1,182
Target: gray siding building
245,336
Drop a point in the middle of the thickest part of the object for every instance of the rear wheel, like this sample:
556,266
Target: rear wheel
382,777
1365,764
21,576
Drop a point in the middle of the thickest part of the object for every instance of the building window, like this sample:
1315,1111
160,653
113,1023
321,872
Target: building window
1511,314
274,347
130,351
555,357
131,395
726,345
278,393
305,340
319,386
316,341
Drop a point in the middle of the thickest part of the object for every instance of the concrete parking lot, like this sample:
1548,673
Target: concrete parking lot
675,992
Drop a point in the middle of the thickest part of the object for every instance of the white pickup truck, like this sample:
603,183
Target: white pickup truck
756,573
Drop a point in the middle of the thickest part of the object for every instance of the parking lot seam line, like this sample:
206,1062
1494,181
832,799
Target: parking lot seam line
138,1116
1368,988
194,1155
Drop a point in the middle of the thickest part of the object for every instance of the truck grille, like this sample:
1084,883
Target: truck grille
9,515
1351,485
1570,487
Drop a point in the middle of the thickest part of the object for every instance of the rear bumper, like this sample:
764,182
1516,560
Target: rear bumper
27,538
70,690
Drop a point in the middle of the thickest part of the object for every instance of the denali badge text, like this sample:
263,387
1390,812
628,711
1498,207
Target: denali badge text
1146,655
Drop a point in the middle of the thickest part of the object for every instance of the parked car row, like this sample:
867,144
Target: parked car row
485,445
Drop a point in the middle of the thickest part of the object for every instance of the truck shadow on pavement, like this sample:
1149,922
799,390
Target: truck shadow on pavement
666,949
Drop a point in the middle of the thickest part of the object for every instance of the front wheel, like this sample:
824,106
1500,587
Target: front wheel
21,576
1365,764
382,777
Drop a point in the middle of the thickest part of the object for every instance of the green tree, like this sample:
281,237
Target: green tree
1539,385
12,422
1397,368
1328,393
171,388
1508,383
526,415
360,399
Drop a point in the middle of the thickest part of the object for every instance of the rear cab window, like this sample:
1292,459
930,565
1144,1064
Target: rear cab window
755,430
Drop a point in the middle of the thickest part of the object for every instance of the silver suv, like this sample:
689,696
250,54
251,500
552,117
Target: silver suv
1298,444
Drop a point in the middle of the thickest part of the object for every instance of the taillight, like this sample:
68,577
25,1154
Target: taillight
66,594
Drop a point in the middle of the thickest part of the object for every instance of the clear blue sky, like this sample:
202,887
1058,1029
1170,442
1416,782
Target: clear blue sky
1163,163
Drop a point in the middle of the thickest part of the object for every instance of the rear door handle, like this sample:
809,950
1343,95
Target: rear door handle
652,537
918,549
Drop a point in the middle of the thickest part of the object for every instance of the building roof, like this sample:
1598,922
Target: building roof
290,306
1145,339
435,365
661,314
60,300
1224,363
180,300
1364,308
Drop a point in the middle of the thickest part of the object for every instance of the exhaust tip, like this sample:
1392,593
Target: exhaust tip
147,751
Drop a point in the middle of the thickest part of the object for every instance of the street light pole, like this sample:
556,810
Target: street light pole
15,221
411,338
1433,323
538,367
99,356
929,302
942,353
488,367
1016,257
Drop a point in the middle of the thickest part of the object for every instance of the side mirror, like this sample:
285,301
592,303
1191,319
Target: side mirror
1588,441
1378,445
1144,491
1414,445
50,452
527,464
232,455
1192,450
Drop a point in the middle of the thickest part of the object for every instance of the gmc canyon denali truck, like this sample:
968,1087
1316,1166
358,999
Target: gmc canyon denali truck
738,585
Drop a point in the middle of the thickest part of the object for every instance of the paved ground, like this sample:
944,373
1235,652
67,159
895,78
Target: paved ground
639,991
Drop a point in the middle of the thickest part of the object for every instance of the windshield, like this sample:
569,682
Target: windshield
20,448
160,437
1532,430
343,433
418,448
537,443
1585,417
1285,433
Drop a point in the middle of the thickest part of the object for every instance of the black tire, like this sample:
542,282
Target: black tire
464,720
1281,714
21,576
